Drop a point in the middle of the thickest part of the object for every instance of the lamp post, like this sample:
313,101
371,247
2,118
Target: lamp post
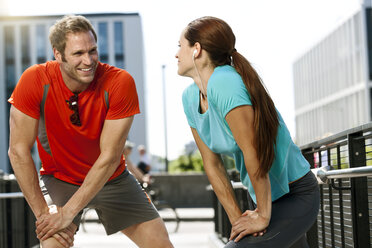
165,119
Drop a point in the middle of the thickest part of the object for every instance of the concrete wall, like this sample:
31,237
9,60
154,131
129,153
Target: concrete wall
186,190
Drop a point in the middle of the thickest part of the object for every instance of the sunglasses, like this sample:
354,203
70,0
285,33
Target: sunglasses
73,105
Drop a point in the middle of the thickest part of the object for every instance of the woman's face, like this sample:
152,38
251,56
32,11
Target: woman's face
184,56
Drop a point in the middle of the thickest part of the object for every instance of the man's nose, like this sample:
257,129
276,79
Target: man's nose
87,59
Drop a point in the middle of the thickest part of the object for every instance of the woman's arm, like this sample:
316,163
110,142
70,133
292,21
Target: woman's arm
240,121
218,178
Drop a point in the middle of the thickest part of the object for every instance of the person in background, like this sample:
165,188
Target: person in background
230,112
142,178
80,111
144,164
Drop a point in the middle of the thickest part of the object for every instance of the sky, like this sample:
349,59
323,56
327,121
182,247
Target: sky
271,34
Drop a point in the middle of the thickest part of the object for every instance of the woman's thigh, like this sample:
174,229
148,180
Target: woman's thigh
292,216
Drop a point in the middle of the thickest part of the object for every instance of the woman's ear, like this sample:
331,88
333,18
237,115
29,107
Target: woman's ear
197,50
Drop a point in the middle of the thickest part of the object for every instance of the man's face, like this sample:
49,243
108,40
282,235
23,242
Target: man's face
80,59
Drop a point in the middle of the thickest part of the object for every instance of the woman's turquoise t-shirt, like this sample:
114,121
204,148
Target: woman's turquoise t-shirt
226,91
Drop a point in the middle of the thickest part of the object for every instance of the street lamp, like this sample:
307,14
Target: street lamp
165,119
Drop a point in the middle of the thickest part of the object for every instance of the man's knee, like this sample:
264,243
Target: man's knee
51,243
64,238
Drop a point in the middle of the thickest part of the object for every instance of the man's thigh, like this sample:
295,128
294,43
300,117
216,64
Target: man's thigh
58,192
151,233
122,203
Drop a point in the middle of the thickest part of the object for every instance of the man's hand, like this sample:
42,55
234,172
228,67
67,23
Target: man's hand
48,225
66,236
146,178
251,222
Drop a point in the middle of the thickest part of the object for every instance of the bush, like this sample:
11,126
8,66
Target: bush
194,162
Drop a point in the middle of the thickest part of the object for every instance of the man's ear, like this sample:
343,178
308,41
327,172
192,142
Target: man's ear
57,55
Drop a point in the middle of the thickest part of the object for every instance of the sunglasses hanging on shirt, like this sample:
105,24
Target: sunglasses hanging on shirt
73,105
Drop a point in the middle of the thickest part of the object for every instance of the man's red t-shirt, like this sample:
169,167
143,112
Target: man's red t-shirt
68,151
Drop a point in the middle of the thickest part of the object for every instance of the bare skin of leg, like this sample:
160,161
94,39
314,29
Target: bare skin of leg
149,234
53,241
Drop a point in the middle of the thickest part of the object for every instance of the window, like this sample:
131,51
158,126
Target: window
119,44
9,59
25,47
369,40
10,78
103,42
40,44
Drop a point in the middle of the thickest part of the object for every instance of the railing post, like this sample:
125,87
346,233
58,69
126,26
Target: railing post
359,191
309,155
216,214
312,234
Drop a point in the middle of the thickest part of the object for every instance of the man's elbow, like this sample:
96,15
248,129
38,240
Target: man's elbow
16,155
111,159
12,153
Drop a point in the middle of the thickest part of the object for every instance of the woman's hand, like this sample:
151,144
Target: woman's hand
251,222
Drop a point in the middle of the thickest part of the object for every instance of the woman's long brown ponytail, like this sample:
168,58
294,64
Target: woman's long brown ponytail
266,119
216,37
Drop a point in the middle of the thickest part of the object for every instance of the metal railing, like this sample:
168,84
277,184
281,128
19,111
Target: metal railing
17,222
343,165
324,174
11,195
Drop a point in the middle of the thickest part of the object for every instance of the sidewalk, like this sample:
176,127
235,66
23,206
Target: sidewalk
190,234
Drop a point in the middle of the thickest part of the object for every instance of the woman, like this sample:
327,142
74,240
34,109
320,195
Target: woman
230,112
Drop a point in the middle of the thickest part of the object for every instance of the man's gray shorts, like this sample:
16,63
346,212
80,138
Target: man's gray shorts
119,204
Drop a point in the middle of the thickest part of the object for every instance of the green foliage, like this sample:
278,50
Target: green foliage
194,162
228,162
191,162
344,157
369,155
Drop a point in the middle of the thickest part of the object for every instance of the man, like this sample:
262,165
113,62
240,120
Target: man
144,164
137,173
80,111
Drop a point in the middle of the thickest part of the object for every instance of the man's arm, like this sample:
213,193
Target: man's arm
112,141
23,131
218,178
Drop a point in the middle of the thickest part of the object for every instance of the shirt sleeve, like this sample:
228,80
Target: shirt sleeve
186,101
123,98
227,92
28,92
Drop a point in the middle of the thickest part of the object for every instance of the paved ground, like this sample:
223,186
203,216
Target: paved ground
190,234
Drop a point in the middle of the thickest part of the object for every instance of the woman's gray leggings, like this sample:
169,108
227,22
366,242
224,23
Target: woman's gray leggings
292,216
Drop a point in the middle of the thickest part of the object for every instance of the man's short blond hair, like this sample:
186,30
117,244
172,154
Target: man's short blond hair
68,24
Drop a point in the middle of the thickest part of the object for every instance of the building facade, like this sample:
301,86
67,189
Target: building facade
24,42
3,7
333,80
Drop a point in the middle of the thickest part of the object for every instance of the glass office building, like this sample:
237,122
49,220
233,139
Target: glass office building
24,42
332,81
